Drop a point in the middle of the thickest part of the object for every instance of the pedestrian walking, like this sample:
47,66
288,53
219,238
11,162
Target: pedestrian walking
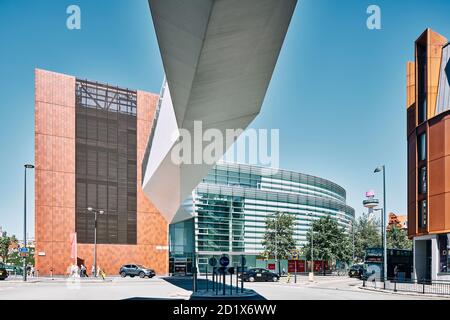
101,273
93,270
83,271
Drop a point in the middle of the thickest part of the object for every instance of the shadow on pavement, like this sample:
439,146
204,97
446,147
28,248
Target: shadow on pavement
186,283
146,298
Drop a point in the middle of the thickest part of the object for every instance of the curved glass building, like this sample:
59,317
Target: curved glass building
230,206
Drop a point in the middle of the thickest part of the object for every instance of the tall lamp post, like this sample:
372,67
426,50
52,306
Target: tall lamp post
383,221
95,212
26,166
353,240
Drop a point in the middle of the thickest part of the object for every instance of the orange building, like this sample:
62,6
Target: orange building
428,132
90,141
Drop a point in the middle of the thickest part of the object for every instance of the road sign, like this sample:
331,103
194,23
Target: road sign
24,249
224,261
212,262
295,254
23,254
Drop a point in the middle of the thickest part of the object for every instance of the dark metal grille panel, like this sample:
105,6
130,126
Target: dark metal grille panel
106,160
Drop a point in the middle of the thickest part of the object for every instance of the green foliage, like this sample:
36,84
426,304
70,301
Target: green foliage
279,236
5,242
397,238
366,235
15,259
330,241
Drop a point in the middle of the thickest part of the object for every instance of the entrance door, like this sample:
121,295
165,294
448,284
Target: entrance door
428,260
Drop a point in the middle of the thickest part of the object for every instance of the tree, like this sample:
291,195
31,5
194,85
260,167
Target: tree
397,238
279,237
14,258
366,235
330,241
5,243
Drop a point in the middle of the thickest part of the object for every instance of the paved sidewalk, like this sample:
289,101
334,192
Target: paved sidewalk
304,279
405,293
55,280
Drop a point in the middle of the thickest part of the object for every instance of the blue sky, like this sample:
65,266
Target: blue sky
337,94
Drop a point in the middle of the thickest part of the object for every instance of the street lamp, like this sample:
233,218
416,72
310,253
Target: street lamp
383,221
95,211
26,166
382,237
352,221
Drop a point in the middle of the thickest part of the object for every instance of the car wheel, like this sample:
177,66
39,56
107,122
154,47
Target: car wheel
123,274
275,279
251,279
141,274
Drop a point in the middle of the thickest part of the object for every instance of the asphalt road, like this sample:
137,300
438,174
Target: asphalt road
326,288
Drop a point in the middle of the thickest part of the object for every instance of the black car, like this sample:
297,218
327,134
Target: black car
133,270
356,271
259,274
3,273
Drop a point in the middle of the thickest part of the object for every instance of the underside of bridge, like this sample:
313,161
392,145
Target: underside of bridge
218,58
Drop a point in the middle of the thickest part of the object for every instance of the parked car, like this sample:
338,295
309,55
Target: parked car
133,270
356,271
3,273
259,274
14,270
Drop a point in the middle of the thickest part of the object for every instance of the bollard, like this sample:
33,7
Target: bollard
194,281
207,283
231,284
237,280
217,283
213,281
223,289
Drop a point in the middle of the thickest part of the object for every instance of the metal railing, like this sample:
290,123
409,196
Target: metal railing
437,287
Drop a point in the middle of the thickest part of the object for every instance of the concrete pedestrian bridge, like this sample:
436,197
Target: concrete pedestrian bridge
218,57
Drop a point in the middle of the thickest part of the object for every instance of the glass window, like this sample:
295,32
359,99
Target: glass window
423,180
423,213
444,247
105,163
422,82
423,109
422,147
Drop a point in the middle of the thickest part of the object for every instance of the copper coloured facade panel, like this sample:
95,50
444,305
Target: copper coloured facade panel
54,149
57,162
